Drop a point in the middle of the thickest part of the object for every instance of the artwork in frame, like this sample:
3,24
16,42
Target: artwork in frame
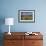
26,16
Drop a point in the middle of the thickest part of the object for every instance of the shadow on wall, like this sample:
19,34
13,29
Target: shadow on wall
2,21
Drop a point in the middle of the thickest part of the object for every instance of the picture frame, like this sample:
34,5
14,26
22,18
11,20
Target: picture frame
26,16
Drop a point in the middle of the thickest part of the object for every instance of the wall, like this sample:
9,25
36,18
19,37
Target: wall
9,8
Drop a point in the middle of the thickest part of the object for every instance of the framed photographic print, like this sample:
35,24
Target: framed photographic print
26,16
